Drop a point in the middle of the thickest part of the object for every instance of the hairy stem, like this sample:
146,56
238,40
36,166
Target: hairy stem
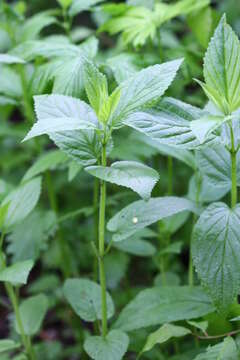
234,170
101,246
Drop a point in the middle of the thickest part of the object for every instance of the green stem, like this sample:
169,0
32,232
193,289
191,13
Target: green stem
28,109
234,171
63,248
170,175
101,245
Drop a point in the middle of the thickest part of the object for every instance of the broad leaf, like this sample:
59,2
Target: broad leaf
216,242
226,350
85,298
205,126
136,176
32,312
113,347
142,213
32,26
81,145
10,84
136,245
22,201
8,345
123,66
159,305
17,273
10,59
163,334
49,161
143,88
169,123
82,5
115,265
61,113
222,68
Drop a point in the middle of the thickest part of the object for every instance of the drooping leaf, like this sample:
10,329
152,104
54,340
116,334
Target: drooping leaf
222,68
22,201
168,123
32,26
83,146
136,176
142,213
10,59
216,243
226,350
159,305
49,161
85,298
17,273
8,345
82,5
163,334
57,113
136,245
143,88
32,312
113,347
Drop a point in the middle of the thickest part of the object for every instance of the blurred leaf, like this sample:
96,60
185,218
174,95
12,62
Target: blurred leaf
17,273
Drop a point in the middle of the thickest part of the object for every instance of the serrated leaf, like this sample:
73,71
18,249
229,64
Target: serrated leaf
8,345
17,273
136,176
222,67
215,245
123,66
85,298
57,113
169,123
226,350
159,305
22,201
83,146
142,213
10,59
143,88
163,334
113,347
49,161
32,312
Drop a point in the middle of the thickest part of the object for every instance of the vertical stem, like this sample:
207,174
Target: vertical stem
101,246
234,170
95,206
28,109
170,175
64,251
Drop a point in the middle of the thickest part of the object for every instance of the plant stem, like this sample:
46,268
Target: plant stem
234,170
170,175
63,248
101,245
95,206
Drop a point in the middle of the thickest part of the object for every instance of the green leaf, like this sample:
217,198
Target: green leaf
136,245
201,325
174,248
32,312
226,350
115,268
65,3
10,59
222,67
136,176
163,334
10,84
49,161
73,170
143,88
83,146
123,66
159,305
82,5
215,245
61,113
17,273
96,86
113,347
142,213
22,201
85,298
168,123
8,345
32,26
205,126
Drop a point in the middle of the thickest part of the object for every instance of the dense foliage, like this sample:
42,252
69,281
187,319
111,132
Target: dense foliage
119,213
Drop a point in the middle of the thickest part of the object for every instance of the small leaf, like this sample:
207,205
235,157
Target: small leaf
10,59
57,113
136,245
201,325
142,213
32,312
136,176
8,345
82,5
204,126
113,347
215,245
17,273
22,201
163,334
164,304
226,350
85,298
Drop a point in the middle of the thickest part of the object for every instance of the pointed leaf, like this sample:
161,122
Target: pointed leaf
204,126
10,59
17,273
136,176
226,350
8,345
